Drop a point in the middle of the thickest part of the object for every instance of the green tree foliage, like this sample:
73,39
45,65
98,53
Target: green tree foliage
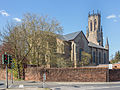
85,59
116,58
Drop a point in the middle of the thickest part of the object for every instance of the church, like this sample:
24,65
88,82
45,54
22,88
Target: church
74,43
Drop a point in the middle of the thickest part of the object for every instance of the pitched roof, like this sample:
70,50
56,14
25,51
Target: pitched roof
84,36
61,37
68,37
71,36
95,45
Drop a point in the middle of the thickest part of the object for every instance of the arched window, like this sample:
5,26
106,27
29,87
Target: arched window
104,58
99,57
91,25
95,24
94,57
80,54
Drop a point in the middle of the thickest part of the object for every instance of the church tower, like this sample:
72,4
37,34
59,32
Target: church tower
94,32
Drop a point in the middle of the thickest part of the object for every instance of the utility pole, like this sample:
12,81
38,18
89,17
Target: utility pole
6,57
6,76
11,74
11,66
7,60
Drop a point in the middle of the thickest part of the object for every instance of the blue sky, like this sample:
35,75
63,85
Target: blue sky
72,15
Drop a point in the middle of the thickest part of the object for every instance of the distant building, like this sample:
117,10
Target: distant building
74,43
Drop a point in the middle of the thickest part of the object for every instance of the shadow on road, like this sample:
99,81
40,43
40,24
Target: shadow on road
77,86
32,82
1,84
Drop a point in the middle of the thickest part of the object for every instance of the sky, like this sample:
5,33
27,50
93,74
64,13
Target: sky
72,15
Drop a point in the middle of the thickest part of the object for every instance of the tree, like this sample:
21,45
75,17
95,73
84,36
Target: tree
116,58
31,40
85,59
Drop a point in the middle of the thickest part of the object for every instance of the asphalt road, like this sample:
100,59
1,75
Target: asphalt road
63,85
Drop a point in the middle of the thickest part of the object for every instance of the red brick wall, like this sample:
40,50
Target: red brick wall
33,73
69,74
114,75
3,74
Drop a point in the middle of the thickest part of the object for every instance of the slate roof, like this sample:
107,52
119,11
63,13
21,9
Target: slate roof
96,46
68,37
61,37
72,36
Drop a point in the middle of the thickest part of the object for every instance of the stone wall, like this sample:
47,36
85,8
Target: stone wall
68,74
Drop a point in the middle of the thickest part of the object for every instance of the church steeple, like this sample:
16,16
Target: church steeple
107,44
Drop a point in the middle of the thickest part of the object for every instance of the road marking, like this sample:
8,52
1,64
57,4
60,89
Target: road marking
21,86
10,86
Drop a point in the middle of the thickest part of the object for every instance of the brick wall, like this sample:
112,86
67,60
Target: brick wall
3,74
114,75
68,74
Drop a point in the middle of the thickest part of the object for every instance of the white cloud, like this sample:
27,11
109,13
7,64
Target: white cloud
111,16
4,13
115,20
17,19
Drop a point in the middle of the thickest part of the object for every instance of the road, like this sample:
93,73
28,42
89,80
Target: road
64,85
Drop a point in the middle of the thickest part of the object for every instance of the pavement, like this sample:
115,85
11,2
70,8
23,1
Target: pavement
33,85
